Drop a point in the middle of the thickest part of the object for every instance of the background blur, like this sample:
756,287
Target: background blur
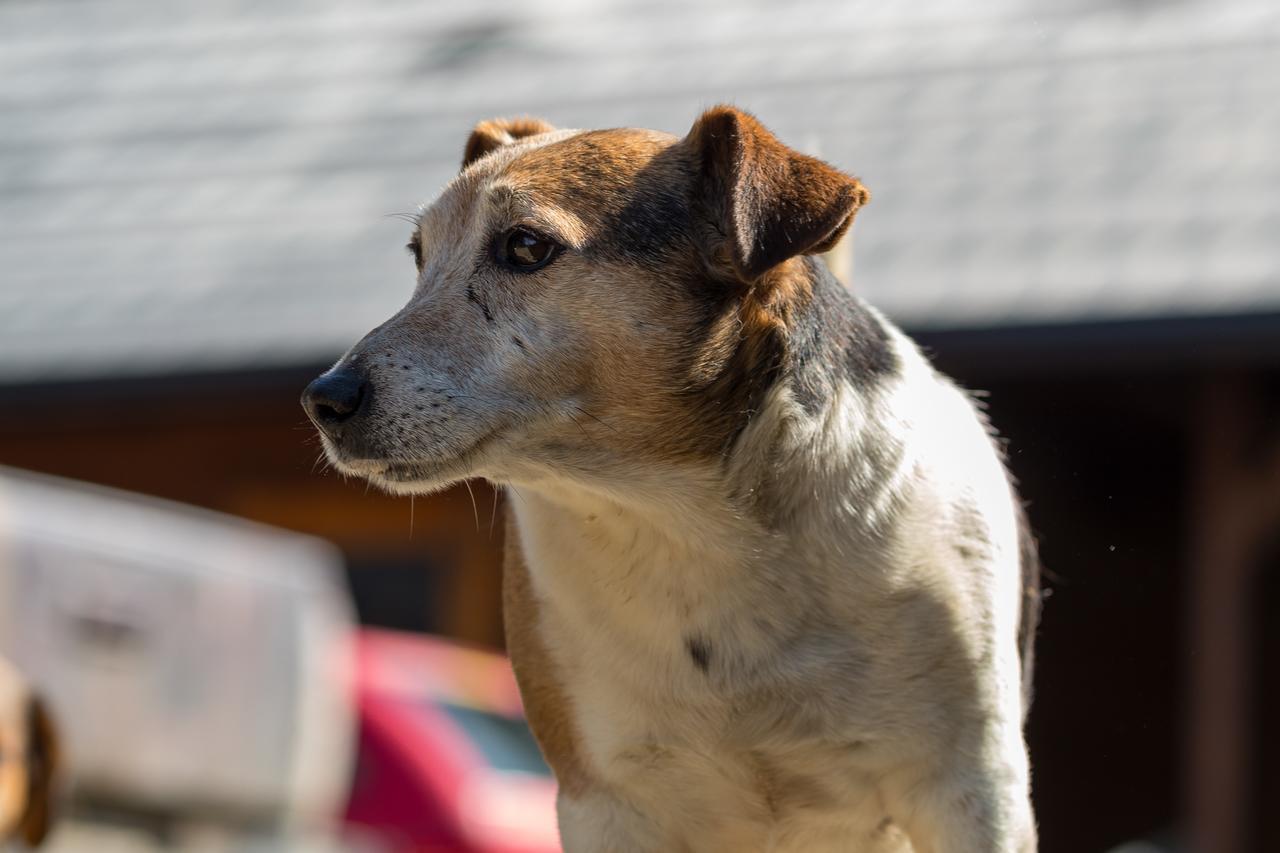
1076,208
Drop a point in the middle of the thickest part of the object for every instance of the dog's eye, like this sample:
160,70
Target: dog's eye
525,251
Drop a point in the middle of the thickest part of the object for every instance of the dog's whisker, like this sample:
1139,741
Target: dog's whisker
596,419
410,218
493,514
321,463
474,512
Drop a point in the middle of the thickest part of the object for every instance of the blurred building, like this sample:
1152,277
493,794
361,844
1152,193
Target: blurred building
1075,208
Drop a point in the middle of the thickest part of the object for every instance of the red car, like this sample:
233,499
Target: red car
446,763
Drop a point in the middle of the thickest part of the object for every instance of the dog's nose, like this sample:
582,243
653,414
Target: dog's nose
335,396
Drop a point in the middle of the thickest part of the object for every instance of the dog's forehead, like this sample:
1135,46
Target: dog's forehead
597,163
568,167
451,210
588,184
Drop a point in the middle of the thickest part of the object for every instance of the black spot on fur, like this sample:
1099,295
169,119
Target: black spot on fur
835,336
471,296
699,651
519,343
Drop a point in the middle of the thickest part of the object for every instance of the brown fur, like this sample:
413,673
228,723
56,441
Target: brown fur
30,761
491,135
644,216
784,792
768,202
624,188
42,774
546,703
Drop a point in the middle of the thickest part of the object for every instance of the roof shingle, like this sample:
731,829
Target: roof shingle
207,186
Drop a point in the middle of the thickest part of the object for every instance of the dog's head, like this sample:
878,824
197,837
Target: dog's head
586,302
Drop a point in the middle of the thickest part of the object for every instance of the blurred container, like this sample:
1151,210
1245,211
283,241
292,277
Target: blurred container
447,763
198,664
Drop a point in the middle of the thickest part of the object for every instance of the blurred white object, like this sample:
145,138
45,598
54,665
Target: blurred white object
198,662
78,836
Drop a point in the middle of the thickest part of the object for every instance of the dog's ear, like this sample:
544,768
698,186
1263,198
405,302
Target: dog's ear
495,133
767,202
44,759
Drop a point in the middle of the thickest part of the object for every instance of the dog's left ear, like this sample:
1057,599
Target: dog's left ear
493,134
767,201
43,771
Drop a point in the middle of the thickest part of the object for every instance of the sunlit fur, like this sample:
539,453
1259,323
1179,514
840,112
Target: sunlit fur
763,585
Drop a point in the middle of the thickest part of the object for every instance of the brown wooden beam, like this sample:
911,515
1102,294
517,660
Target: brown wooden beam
1235,504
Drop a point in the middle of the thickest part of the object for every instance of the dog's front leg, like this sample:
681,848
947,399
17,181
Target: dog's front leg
596,822
983,807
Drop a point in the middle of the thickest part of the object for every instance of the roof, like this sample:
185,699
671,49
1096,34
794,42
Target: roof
207,186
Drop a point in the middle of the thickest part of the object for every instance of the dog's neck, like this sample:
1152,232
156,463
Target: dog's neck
738,556
819,450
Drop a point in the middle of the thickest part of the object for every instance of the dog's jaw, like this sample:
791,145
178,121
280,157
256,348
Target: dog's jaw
422,475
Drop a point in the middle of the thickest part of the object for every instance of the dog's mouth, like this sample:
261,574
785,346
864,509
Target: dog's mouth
411,476
408,472
418,474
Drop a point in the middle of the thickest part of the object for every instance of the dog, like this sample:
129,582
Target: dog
767,586
29,760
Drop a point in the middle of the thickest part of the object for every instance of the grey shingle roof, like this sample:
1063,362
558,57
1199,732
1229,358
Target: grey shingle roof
203,185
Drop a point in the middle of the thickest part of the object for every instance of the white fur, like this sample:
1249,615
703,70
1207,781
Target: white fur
815,629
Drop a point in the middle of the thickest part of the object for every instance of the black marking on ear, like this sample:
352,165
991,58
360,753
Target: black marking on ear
471,297
699,649
835,336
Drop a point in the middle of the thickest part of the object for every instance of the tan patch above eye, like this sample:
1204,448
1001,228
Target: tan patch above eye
513,208
561,225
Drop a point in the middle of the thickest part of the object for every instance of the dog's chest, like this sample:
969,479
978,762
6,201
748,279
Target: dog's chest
693,686
656,618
